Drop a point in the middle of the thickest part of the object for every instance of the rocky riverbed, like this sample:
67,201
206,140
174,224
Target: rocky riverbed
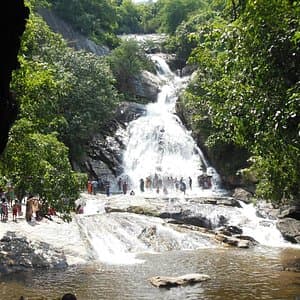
139,223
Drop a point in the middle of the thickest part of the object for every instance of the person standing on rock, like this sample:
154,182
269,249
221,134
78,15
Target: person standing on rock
142,185
120,184
15,211
190,182
89,187
125,186
182,186
107,188
94,186
4,210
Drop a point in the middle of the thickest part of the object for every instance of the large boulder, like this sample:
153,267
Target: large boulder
17,253
290,229
290,211
103,158
168,281
242,195
146,86
195,211
266,210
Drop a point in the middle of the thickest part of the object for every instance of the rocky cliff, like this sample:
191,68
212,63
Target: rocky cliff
74,38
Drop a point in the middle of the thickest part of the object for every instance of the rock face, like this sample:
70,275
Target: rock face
104,152
290,229
19,254
168,281
146,86
292,211
186,216
13,15
74,38
242,195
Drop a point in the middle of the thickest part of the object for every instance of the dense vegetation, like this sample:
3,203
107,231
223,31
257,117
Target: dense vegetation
246,92
244,97
65,97
126,61
101,20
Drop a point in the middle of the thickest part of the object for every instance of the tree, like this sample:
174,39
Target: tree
127,61
38,164
94,18
173,12
128,18
65,96
247,87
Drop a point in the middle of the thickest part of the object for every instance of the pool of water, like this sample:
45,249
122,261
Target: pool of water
235,274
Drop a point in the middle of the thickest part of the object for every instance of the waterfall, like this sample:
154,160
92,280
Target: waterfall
159,145
117,238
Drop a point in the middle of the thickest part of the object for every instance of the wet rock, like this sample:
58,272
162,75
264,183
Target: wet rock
242,195
188,217
129,111
230,230
19,254
252,241
290,229
292,211
228,202
146,86
225,201
266,210
148,235
104,152
232,241
168,281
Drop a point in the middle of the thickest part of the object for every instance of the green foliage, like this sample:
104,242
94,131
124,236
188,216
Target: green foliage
38,164
185,38
128,17
82,96
127,61
148,22
91,100
93,18
173,12
65,96
247,87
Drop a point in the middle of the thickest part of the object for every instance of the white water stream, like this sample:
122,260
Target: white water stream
159,143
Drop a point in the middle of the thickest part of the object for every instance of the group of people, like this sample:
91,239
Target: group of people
98,185
123,185
8,201
205,181
156,182
164,184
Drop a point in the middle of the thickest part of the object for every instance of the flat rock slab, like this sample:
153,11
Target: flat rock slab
168,281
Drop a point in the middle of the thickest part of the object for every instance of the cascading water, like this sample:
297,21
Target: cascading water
159,145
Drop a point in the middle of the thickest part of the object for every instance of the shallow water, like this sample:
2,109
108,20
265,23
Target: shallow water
235,274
